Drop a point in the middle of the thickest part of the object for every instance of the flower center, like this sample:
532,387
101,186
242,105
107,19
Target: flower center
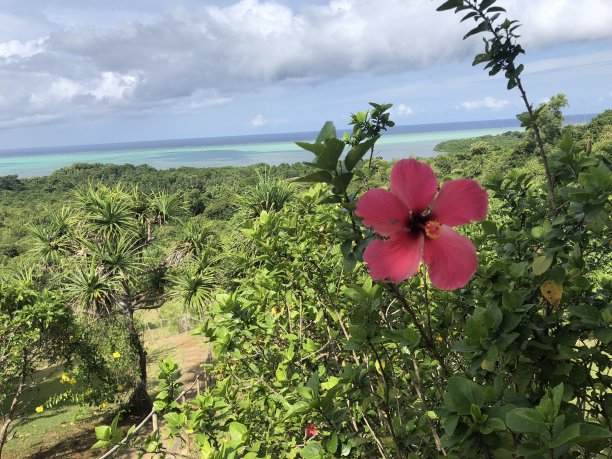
433,229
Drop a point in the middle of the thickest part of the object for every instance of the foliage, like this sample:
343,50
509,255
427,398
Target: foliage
36,328
312,358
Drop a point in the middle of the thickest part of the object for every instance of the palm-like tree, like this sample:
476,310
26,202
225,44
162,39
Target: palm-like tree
270,193
52,240
108,267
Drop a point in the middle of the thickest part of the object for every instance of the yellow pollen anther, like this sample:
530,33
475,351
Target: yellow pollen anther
433,228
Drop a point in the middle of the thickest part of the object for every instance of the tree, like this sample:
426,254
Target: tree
107,260
36,327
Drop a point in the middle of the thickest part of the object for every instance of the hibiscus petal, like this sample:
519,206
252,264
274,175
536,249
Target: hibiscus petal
382,211
414,183
394,259
451,259
460,202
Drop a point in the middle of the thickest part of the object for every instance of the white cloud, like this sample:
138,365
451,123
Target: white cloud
114,86
403,109
259,121
182,59
489,103
15,49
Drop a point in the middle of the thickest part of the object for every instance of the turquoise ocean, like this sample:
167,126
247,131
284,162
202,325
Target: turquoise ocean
399,142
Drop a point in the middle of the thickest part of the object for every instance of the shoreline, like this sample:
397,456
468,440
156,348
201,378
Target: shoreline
390,146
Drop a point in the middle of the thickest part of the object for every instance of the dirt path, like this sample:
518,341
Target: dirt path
73,442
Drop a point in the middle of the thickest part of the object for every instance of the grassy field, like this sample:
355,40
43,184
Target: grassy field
67,430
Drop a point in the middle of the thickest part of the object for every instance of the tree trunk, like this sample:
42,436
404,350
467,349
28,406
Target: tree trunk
140,401
4,430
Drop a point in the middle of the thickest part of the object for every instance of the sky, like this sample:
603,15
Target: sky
86,72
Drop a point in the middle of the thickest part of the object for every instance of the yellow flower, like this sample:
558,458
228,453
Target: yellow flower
40,409
72,381
120,388
439,339
116,355
65,378
88,391
189,431
103,405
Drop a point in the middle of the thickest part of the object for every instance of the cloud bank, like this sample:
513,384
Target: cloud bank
188,59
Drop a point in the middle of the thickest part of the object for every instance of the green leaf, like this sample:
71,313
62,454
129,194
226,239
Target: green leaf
590,432
525,119
313,383
485,4
114,424
237,432
328,131
312,450
541,264
461,394
480,58
529,449
297,410
449,5
566,142
489,227
525,420
482,27
103,433
328,158
100,444
159,405
315,177
315,148
341,182
569,433
357,153
493,425
332,443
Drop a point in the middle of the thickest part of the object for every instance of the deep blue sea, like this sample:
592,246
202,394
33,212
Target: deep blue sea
398,142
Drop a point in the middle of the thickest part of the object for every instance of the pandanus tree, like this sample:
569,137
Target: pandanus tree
104,252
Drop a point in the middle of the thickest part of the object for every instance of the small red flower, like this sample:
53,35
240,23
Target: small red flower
311,430
417,219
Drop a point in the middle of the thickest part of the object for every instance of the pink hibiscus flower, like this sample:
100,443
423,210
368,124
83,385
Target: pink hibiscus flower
417,219
311,430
